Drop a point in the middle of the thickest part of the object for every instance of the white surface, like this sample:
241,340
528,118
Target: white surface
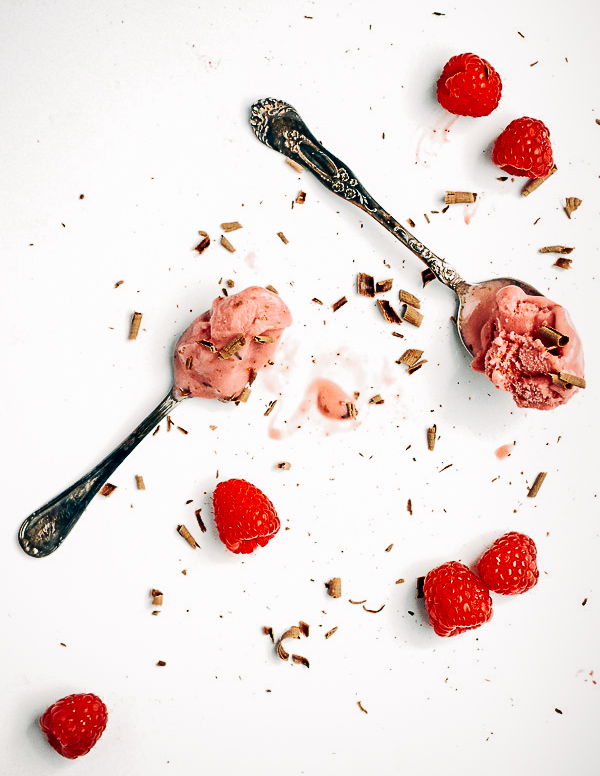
142,107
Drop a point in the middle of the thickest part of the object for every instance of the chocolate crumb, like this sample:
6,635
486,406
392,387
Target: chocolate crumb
334,587
139,480
107,489
226,244
203,244
534,183
134,327
420,587
365,285
571,205
283,238
340,303
537,484
199,520
231,226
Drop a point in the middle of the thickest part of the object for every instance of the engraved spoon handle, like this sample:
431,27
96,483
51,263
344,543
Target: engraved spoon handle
44,531
279,126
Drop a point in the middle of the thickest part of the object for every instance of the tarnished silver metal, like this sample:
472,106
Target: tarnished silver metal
278,125
45,530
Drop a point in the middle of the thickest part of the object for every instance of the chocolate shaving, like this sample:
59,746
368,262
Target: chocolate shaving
534,183
563,263
373,611
207,344
556,249
290,633
459,197
351,410
284,465
139,481
412,369
364,601
550,335
272,289
365,285
409,506
388,312
226,244
361,707
340,303
268,631
199,520
567,380
283,238
301,660
334,587
427,276
377,399
407,298
330,633
232,347
203,244
571,205
410,357
420,587
134,327
537,484
427,218
231,226
301,198
410,222
183,531
243,395
107,489
270,407
318,301
383,285
295,165
412,315
263,339
119,283
304,628
161,663
189,362
431,434
157,597
389,548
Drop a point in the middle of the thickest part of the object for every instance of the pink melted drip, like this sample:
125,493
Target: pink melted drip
505,450
432,138
330,400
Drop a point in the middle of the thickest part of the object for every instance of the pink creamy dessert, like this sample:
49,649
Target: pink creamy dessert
223,349
504,331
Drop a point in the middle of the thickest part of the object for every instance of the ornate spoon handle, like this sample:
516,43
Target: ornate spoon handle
44,531
279,126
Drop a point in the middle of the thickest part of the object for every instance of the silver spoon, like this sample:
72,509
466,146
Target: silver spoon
279,126
45,530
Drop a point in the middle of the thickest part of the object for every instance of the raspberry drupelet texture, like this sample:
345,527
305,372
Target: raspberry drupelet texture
469,86
455,599
509,566
524,149
74,724
244,516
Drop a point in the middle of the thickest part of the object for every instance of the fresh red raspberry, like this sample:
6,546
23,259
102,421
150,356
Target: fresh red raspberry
509,565
524,149
73,724
244,516
455,599
469,86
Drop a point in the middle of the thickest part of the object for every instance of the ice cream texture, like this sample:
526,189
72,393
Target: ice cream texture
507,332
222,350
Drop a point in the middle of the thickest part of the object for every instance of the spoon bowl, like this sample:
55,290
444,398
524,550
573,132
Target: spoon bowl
279,126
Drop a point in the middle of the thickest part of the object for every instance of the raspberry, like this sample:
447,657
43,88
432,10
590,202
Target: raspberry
244,516
455,599
469,86
509,566
73,724
524,149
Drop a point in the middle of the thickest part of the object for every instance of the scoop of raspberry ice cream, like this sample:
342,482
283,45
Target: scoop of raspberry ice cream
223,349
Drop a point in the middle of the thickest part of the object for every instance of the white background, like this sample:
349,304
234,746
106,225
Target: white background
142,107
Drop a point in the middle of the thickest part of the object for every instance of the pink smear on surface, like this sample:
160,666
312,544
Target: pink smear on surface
504,450
330,400
587,674
433,138
470,211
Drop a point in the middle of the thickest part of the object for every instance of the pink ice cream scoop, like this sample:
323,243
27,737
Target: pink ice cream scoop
526,345
223,349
